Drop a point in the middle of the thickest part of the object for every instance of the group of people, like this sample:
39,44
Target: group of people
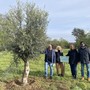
82,55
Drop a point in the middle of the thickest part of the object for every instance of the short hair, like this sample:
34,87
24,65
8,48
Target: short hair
81,42
49,46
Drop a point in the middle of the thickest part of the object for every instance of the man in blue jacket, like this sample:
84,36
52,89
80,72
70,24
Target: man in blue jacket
49,60
84,56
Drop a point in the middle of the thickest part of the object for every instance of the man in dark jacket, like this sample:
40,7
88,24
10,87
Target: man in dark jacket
50,58
84,56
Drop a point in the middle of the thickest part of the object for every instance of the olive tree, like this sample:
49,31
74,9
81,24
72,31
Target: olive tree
24,32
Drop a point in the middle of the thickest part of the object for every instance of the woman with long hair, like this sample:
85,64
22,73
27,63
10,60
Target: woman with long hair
59,64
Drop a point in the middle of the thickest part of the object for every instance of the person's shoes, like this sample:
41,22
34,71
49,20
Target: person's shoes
82,78
45,77
74,76
50,77
62,75
59,74
89,79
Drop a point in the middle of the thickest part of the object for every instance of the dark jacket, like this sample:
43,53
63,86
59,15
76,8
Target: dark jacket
50,56
84,54
58,54
73,56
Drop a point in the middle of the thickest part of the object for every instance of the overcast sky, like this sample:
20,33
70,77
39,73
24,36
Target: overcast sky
64,15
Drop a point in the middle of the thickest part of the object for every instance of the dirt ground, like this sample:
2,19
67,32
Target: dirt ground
36,84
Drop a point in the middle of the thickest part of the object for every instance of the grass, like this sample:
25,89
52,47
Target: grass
9,71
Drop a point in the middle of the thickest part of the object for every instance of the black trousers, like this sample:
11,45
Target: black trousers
73,69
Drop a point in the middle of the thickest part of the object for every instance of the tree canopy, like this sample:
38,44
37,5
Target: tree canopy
55,42
23,29
81,35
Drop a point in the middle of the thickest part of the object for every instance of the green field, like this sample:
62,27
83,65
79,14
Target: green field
9,72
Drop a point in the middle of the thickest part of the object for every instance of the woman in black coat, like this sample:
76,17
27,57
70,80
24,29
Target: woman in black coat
73,60
59,64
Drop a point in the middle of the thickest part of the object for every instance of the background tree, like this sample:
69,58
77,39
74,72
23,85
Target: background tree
64,43
87,40
24,32
55,42
81,35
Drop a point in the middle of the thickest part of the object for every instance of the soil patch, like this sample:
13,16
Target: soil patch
36,84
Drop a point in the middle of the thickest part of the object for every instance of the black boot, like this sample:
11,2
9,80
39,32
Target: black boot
74,76
50,77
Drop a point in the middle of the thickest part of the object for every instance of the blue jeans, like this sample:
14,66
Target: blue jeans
73,69
46,68
88,70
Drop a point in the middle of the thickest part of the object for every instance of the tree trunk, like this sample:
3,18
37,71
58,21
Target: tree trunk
26,73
